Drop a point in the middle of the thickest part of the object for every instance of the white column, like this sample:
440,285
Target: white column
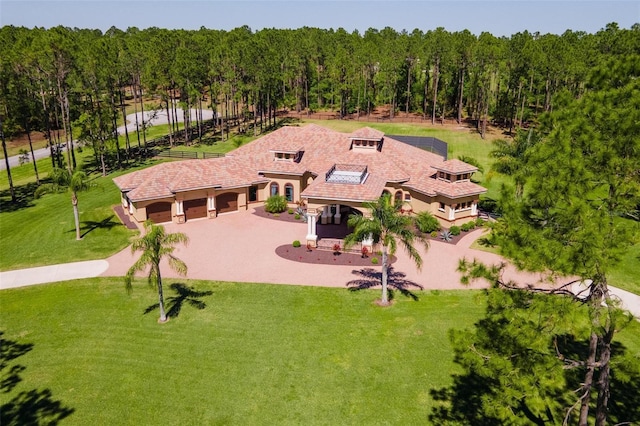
474,208
212,202
130,207
338,215
312,237
125,202
368,243
452,212
179,207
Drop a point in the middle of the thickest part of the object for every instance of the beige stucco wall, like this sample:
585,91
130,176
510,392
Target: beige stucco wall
282,180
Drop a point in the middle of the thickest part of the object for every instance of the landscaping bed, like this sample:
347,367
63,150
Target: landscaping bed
328,257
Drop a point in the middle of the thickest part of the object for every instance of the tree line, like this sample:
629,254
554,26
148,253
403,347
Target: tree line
63,79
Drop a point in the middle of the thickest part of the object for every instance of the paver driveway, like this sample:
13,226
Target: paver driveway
241,247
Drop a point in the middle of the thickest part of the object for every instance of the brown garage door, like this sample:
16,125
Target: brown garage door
159,212
194,209
227,202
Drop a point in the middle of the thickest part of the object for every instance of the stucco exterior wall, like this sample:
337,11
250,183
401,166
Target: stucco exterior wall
282,180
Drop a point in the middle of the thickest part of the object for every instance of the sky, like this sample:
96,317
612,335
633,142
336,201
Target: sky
501,18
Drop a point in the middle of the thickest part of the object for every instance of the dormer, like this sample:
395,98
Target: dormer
287,155
366,140
454,171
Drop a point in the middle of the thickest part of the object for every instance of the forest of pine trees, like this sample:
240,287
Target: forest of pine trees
61,78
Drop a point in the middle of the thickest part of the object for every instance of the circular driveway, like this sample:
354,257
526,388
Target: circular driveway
241,247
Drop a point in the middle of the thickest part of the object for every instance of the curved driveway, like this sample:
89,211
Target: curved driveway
241,247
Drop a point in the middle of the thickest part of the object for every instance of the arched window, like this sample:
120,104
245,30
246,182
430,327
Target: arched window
398,197
386,193
275,189
288,192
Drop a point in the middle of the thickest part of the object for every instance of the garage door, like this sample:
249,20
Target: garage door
194,209
159,212
227,202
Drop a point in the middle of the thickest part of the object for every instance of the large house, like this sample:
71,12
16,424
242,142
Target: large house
331,173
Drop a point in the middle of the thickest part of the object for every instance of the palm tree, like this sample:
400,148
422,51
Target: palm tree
62,180
385,226
154,245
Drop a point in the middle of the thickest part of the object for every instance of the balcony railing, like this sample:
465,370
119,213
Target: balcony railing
346,173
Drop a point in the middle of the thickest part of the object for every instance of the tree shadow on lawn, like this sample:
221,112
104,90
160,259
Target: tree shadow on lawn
184,295
24,197
89,225
396,281
33,407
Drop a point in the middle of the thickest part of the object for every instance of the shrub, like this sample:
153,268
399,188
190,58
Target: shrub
275,204
427,223
296,216
365,252
445,236
434,234
466,227
290,211
296,243
480,222
374,260
454,230
336,248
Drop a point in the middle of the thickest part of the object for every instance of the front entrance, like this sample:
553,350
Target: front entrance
159,212
194,209
227,202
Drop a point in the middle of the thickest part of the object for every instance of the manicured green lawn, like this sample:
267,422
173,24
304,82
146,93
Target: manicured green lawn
42,232
255,354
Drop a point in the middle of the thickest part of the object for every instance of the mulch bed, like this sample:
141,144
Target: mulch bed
326,257
284,216
454,239
124,218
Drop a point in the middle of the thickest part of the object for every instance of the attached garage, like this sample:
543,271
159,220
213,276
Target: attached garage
227,202
159,212
194,209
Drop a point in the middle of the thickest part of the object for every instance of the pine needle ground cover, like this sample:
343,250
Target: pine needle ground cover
253,353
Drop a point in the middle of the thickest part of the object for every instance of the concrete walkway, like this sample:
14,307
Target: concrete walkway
241,247
52,273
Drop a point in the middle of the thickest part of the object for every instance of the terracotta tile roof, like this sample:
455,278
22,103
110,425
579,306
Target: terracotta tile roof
367,133
456,166
370,190
458,189
322,148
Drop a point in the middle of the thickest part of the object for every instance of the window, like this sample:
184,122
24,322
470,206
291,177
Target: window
275,190
398,197
448,176
464,206
253,193
407,197
441,207
386,193
288,192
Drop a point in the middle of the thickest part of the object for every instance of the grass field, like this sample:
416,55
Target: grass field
254,354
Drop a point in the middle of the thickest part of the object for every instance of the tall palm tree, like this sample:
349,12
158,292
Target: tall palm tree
62,180
154,245
387,225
